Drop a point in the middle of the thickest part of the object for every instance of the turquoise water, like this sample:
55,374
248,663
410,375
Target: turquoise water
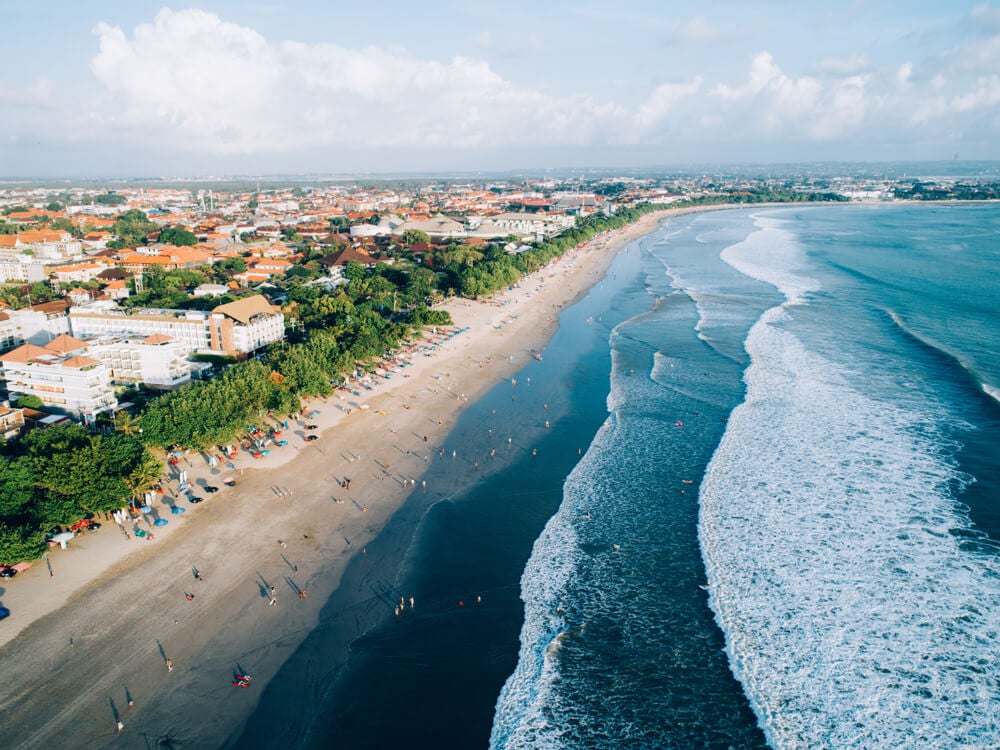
766,511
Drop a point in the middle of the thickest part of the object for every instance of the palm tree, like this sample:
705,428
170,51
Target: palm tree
127,424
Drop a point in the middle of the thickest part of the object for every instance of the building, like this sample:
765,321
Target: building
190,327
246,325
156,361
62,375
40,323
11,422
336,262
235,329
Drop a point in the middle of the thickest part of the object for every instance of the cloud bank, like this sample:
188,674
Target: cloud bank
191,82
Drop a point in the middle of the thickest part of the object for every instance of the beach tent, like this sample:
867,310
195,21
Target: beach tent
61,539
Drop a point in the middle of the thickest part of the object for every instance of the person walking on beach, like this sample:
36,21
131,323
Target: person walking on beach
197,574
273,602
170,665
121,727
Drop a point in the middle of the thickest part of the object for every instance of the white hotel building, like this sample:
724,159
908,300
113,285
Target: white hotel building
156,361
235,329
62,375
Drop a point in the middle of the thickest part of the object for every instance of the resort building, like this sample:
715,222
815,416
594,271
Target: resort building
235,329
40,323
62,375
156,361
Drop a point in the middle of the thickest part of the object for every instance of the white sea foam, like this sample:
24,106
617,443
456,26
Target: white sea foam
521,713
524,706
853,615
772,255
991,391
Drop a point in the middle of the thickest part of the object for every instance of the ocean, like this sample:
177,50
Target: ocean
749,497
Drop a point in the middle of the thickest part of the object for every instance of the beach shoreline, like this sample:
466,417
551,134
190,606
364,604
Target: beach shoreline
287,524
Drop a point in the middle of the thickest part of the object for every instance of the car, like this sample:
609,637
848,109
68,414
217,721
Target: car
6,571
311,427
194,499
310,438
211,488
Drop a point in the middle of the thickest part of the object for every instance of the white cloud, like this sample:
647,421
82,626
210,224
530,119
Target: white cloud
190,82
661,102
985,95
217,87
762,72
775,104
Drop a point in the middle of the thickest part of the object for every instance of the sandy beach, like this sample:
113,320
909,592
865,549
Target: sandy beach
94,626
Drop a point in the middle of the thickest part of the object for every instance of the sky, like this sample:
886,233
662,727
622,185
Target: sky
128,88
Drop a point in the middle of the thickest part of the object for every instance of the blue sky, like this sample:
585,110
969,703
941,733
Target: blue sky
130,88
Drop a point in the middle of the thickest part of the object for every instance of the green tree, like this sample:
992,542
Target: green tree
66,225
178,236
131,229
127,424
17,489
411,236
29,401
110,199
21,542
354,271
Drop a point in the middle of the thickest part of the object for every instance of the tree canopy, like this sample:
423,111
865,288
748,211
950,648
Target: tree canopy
178,236
62,474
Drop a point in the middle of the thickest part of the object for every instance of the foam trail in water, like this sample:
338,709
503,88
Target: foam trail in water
832,540
772,255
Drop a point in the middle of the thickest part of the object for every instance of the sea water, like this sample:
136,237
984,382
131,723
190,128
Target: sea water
847,517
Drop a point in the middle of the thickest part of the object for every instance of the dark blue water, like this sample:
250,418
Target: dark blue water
772,452
847,517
